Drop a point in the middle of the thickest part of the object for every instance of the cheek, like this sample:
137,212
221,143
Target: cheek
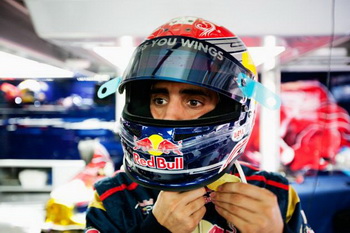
155,112
152,111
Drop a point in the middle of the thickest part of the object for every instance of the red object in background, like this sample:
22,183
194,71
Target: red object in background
313,128
100,166
11,91
65,210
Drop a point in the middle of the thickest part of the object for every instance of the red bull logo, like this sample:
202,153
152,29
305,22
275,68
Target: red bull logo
156,145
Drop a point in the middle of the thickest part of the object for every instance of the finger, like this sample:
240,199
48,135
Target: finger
239,200
191,222
191,195
239,210
180,198
242,224
249,190
230,212
196,204
198,215
246,221
267,206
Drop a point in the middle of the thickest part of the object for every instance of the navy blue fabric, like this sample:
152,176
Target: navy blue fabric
129,206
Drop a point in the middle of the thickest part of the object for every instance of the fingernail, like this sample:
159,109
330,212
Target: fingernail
212,195
207,200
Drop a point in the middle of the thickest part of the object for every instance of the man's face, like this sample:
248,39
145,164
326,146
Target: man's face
181,101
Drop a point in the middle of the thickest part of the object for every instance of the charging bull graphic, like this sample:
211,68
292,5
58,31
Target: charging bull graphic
156,145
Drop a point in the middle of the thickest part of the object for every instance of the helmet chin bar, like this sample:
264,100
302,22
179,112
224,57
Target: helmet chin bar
178,187
156,159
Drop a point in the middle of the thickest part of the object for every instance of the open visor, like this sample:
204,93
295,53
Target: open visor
187,60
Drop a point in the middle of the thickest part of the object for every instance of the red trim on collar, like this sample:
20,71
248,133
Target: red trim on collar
268,182
119,188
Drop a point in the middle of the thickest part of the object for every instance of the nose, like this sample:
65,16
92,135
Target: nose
174,111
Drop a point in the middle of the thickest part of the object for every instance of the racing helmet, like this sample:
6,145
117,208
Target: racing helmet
185,154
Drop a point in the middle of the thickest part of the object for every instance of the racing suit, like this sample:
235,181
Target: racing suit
121,205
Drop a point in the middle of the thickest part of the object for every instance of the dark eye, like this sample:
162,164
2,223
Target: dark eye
159,101
194,103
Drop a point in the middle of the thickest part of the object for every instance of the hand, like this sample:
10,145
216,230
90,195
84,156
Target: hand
180,211
249,208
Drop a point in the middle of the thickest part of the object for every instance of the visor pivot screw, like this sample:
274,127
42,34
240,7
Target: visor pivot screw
243,82
245,108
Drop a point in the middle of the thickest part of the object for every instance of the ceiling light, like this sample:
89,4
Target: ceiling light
260,55
13,66
118,56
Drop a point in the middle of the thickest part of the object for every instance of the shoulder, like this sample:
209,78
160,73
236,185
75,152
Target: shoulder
118,182
116,198
120,185
270,180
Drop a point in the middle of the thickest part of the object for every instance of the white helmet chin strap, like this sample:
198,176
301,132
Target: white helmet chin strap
240,172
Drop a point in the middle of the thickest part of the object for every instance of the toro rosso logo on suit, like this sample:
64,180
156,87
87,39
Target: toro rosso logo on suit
156,145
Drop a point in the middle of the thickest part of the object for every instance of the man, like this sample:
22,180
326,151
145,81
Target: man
187,118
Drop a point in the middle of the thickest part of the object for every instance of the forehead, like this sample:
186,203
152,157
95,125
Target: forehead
168,85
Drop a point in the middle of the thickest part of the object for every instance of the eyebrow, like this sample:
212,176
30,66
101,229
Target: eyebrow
187,91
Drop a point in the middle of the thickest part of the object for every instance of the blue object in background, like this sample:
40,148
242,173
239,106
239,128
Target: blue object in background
322,198
60,125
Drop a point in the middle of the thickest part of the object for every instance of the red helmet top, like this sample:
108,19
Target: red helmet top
191,27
